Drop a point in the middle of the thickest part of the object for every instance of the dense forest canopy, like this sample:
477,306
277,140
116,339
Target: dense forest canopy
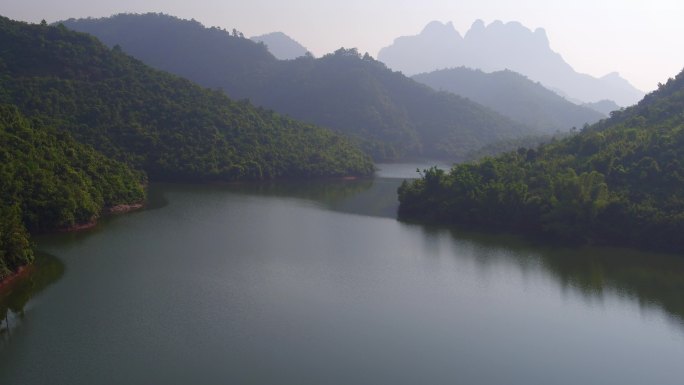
392,115
50,181
620,181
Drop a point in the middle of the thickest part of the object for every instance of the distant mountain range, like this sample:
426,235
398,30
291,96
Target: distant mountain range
391,115
514,96
281,46
500,46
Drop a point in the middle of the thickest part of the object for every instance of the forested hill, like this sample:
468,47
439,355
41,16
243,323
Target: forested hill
358,95
513,95
393,115
620,181
70,106
211,57
48,181
158,122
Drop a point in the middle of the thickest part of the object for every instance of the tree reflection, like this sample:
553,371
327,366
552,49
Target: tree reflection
653,280
46,270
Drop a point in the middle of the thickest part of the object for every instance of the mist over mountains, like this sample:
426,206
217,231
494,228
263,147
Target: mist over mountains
514,96
391,115
499,46
155,121
603,106
182,47
281,46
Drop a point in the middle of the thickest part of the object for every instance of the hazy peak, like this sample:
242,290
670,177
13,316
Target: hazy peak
281,45
499,24
438,29
603,106
499,45
540,34
615,80
612,75
477,25
277,34
499,30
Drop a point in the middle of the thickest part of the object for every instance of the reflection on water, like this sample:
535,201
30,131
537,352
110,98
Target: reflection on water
653,280
46,270
373,197
317,283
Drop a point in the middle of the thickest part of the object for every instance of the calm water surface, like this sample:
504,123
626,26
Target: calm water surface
317,283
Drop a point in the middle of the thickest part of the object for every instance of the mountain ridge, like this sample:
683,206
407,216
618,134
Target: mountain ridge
345,90
281,45
499,46
513,95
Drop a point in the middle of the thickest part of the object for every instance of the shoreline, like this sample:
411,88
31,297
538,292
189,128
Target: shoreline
114,210
78,227
124,208
269,180
22,271
9,281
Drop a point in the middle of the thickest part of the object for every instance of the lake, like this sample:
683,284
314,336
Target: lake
318,283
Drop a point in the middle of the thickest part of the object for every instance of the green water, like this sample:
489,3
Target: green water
317,283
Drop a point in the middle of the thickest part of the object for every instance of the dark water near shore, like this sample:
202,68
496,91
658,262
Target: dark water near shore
317,283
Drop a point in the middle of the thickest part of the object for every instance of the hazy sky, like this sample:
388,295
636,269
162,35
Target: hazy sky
638,38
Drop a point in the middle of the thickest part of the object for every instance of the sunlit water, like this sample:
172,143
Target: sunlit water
318,283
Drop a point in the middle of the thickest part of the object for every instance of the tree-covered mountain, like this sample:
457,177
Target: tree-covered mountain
620,181
281,46
157,122
513,95
392,115
499,46
210,57
70,106
359,96
49,181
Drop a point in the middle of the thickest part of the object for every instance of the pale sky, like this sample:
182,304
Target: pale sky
640,39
